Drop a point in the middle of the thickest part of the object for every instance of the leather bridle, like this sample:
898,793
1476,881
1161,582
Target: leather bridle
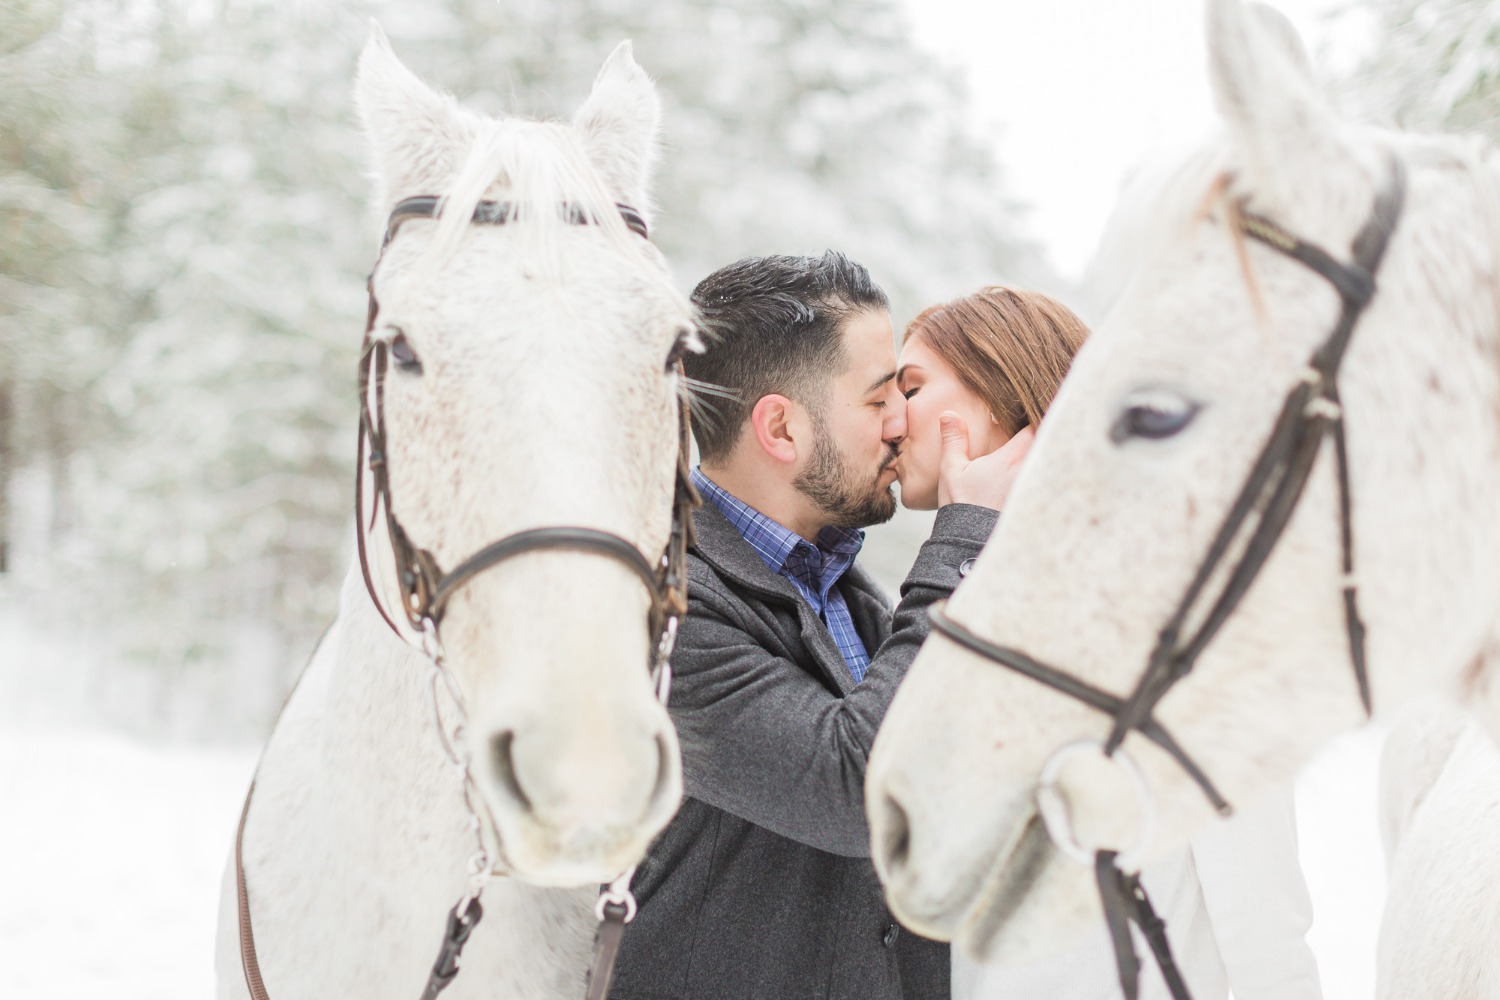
1311,413
425,591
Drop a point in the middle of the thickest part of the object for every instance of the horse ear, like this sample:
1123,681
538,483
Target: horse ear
1264,89
417,136
618,127
1278,28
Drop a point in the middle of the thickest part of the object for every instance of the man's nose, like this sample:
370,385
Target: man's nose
894,430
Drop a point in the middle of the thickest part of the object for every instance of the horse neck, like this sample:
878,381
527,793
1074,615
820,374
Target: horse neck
383,775
362,837
1422,394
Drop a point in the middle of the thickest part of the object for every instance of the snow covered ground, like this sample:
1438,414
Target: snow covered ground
111,851
112,846
110,857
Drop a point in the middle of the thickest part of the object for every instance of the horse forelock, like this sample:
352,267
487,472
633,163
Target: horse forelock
1160,202
542,171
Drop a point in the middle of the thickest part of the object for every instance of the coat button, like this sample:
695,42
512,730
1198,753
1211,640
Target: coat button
891,934
965,567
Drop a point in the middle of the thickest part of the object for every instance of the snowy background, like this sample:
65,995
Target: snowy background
183,243
112,850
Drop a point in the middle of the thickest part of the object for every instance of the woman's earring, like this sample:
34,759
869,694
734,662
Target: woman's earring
993,420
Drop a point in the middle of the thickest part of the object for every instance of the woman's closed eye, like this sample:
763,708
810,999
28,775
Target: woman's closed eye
912,391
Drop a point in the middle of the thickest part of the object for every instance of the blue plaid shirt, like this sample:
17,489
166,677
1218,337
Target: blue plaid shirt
813,569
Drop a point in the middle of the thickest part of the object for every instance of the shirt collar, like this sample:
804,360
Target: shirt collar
773,541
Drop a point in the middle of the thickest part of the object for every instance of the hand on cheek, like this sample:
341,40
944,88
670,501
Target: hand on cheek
983,481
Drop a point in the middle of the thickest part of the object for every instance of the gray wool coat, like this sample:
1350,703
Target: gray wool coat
762,886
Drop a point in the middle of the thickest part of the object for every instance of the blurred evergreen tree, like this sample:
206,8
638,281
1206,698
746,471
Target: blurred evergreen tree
790,126
1435,66
244,245
185,239
53,224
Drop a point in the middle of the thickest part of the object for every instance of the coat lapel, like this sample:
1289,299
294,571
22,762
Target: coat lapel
720,545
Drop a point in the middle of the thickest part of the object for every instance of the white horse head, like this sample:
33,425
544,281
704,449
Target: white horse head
1134,471
531,385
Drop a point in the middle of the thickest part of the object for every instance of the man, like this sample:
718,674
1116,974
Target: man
762,886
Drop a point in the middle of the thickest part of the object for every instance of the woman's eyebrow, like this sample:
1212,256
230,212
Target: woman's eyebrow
901,372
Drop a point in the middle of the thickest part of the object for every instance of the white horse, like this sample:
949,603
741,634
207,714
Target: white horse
1133,473
1440,810
531,384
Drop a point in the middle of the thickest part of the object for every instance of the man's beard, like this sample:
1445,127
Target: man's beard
842,492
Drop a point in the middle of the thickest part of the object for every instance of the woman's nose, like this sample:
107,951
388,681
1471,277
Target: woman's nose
895,421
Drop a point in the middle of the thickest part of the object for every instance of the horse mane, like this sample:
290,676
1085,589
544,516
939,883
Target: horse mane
1162,200
1476,160
1159,201
542,171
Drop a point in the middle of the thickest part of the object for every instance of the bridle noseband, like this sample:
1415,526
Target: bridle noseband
1311,413
426,591
424,587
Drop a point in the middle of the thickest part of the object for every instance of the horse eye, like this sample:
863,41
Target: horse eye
1153,414
405,357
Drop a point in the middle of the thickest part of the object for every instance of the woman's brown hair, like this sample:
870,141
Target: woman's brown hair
1011,347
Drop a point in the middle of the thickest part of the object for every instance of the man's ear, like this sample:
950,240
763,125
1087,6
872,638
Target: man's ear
775,423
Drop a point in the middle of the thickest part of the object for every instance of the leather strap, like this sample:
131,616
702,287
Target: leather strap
606,950
583,539
445,969
248,960
426,589
1114,896
1311,413
423,586
1094,697
1125,903
498,213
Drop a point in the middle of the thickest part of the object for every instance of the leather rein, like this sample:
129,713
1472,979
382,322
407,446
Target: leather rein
1311,413
426,589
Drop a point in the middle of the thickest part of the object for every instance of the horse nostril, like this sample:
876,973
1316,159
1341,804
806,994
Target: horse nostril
666,792
895,834
666,784
504,763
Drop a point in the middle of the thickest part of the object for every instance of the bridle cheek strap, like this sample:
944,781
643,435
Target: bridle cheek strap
1254,523
1125,903
1094,697
425,592
424,589
1313,411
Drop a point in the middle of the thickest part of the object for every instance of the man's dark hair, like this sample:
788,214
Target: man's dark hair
773,325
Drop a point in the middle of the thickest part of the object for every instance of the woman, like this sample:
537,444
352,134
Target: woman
1235,902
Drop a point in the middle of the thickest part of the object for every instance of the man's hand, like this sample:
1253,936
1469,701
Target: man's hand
983,481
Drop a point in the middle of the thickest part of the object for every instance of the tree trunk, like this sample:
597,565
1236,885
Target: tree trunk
7,467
